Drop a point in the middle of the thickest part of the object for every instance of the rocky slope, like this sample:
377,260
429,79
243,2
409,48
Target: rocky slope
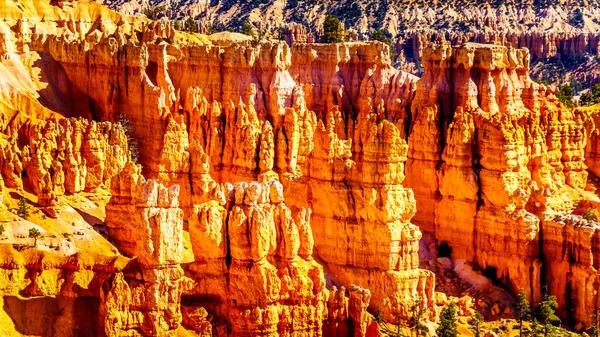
546,28
273,190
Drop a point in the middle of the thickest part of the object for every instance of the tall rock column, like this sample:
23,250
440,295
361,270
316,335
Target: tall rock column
247,241
145,221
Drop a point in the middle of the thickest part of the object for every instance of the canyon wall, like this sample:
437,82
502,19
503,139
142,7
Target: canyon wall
328,121
493,159
244,112
541,45
548,29
303,176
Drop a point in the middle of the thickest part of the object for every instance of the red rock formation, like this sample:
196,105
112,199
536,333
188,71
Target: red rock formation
296,33
264,123
541,44
570,249
502,152
270,256
144,219
62,156
475,150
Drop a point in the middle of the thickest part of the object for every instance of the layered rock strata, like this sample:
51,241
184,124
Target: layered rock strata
474,150
549,29
571,250
503,152
63,292
248,242
328,133
153,81
541,44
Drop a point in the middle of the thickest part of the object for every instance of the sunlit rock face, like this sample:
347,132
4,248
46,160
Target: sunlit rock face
239,174
258,189
493,158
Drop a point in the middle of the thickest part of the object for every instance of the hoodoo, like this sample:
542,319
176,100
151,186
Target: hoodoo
155,182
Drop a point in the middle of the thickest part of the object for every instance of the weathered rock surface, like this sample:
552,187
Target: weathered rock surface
278,157
62,156
250,243
478,128
548,29
314,116
145,221
493,158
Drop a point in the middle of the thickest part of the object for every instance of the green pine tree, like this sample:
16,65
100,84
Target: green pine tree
476,324
333,30
23,210
34,233
448,322
565,95
379,36
419,328
548,316
591,97
378,317
594,330
535,328
248,29
190,25
523,310
383,327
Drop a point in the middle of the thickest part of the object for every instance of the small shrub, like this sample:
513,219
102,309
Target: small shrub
577,19
592,97
34,233
152,13
23,210
132,143
591,214
2,229
379,36
565,95
190,25
248,29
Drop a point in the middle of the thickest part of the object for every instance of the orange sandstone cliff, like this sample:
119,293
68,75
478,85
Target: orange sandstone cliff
218,186
206,248
497,164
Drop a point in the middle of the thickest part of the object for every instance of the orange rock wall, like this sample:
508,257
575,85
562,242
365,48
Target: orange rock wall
571,249
330,121
261,277
62,156
474,152
500,150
